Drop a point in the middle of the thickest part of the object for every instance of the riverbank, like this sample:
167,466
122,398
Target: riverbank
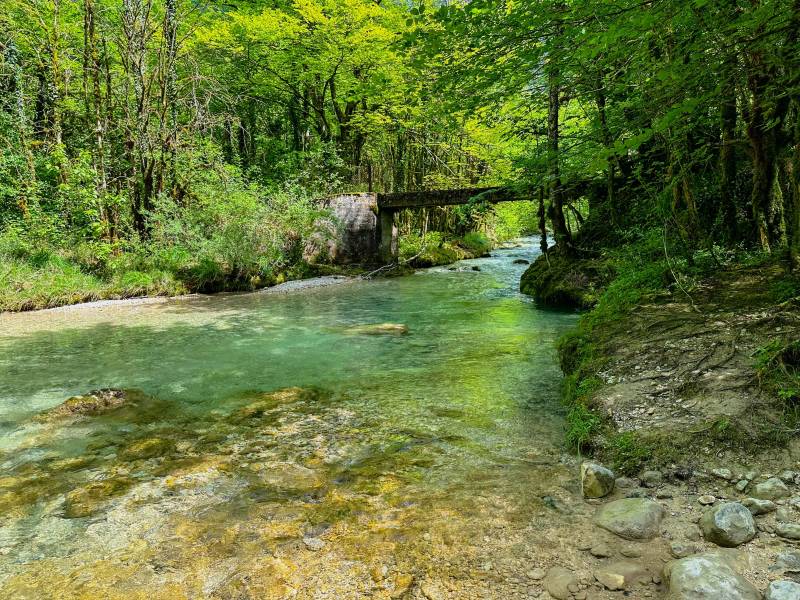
683,382
677,358
56,281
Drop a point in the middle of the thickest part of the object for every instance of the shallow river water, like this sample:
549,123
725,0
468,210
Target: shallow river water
274,446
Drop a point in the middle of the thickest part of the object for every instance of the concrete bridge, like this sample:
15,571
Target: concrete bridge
369,231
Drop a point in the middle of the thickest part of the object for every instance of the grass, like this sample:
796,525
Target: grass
57,281
778,371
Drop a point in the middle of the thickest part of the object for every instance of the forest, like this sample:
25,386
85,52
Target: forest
159,146
560,361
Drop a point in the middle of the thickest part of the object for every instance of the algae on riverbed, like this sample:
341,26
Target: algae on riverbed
275,454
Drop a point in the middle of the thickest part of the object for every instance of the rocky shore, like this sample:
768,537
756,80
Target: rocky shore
684,535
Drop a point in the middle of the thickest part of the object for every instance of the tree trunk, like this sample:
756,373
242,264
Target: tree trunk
608,142
170,94
792,198
727,162
542,222
560,231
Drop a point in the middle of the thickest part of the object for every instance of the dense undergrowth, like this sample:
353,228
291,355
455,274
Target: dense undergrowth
230,235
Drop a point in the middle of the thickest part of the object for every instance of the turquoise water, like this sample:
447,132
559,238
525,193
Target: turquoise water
416,423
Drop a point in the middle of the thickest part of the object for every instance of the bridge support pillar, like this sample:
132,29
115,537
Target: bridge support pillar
387,236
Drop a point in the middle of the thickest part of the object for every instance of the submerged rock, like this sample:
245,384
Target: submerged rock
94,403
89,499
267,401
314,543
631,518
379,329
596,480
289,476
729,524
147,448
402,584
709,576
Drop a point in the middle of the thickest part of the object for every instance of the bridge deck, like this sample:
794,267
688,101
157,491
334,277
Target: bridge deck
427,198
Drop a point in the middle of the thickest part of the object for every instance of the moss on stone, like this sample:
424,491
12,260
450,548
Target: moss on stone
147,448
560,281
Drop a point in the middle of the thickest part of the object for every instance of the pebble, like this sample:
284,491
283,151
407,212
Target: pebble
771,489
536,574
651,479
314,543
725,474
784,514
600,550
681,550
706,499
631,552
790,559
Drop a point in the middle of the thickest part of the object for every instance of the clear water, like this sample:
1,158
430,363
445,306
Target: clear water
393,445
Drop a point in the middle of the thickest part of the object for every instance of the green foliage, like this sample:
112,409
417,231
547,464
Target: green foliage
582,425
641,269
778,371
785,288
476,242
628,453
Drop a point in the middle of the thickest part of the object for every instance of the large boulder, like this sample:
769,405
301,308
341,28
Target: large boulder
631,518
771,489
379,329
783,590
561,280
596,480
729,524
708,576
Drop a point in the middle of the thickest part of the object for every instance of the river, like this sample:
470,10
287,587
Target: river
274,446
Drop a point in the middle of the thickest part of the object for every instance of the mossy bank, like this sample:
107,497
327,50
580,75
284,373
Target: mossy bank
678,362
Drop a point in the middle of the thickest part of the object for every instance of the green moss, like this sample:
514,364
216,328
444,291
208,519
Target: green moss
563,282
435,248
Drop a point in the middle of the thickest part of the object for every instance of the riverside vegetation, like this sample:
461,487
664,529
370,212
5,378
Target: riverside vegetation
159,147
162,147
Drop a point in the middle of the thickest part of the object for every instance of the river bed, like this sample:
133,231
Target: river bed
277,446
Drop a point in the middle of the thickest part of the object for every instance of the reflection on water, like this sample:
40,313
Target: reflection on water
267,449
